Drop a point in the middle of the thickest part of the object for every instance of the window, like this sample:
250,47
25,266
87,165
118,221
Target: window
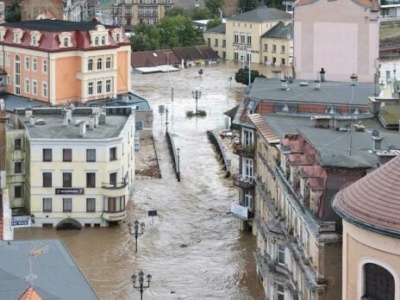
113,153
108,63
99,64
18,167
44,66
44,89
90,65
47,205
90,155
117,37
242,38
90,204
67,179
209,42
103,40
99,87
27,86
96,41
216,43
236,38
17,191
67,204
274,48
90,88
47,155
67,154
282,49
281,254
47,179
113,179
280,292
27,63
248,39
283,61
378,283
34,87
90,180
18,144
65,42
108,86
114,204
266,47
34,64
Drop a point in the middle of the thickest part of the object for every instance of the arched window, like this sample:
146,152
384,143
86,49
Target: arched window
90,65
96,41
103,40
378,284
108,63
99,64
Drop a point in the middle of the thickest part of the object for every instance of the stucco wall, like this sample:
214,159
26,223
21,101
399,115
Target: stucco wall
66,84
361,246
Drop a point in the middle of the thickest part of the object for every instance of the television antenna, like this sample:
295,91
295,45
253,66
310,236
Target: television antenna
34,254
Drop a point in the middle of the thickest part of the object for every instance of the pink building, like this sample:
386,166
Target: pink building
340,36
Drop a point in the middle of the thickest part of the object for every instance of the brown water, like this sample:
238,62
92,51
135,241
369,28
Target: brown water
217,262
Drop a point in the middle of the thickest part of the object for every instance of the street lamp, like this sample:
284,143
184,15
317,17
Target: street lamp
166,120
196,95
178,165
141,287
134,230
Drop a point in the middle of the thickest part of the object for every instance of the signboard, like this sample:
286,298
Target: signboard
70,191
152,213
161,109
239,211
21,221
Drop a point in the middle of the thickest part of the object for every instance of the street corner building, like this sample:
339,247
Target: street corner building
70,166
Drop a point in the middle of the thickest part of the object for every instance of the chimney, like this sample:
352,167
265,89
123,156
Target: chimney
377,140
284,85
322,75
65,118
82,128
91,122
32,121
102,118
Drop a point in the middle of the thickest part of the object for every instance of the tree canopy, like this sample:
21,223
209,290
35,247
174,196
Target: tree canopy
242,75
247,5
214,7
213,23
14,14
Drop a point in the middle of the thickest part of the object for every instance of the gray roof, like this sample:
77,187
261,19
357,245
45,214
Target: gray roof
13,102
280,31
128,99
329,93
55,25
262,14
221,28
54,129
333,145
58,276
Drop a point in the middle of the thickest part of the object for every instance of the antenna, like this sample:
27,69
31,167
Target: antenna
34,255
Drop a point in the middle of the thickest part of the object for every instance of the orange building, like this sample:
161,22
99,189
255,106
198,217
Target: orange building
58,62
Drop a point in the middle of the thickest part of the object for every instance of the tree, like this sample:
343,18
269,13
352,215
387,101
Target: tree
214,7
14,14
213,23
242,75
247,5
176,11
274,4
200,13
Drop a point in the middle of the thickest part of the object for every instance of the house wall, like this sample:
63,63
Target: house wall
283,54
340,36
362,246
217,42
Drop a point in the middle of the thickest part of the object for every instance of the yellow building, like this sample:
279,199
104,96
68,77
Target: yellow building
244,33
59,62
75,165
371,234
216,39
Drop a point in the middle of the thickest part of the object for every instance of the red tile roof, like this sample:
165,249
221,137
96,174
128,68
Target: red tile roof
374,200
265,131
30,294
311,108
148,59
265,107
300,159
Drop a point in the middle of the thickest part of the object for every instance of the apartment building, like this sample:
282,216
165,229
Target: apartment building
244,33
341,37
216,39
71,165
371,234
128,13
59,62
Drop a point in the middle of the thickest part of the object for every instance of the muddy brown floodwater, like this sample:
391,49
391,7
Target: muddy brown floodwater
217,262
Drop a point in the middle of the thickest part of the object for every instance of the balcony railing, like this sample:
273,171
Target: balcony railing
114,216
242,150
116,186
244,182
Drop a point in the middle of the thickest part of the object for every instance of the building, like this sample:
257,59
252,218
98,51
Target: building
128,13
216,39
340,37
244,33
59,62
371,234
71,166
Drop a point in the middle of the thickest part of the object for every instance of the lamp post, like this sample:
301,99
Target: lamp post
178,171
196,95
141,287
166,120
135,230
169,80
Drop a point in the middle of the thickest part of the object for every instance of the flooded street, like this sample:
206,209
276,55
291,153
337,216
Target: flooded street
216,259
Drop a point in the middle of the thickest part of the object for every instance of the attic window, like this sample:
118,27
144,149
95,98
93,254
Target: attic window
35,37
116,34
65,39
17,35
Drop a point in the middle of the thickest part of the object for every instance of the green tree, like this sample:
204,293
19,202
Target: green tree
213,23
200,13
14,14
274,4
242,75
176,11
247,5
214,7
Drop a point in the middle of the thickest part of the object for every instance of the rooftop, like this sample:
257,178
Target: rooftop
58,276
221,28
262,14
280,31
54,25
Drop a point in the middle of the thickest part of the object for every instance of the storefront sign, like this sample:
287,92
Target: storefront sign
70,191
21,221
239,211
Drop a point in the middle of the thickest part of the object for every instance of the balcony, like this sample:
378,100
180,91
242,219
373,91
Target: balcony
114,216
244,182
242,150
114,190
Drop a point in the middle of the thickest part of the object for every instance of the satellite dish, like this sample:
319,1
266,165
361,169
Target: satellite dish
375,133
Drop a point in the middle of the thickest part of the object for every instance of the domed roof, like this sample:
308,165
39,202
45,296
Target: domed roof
373,201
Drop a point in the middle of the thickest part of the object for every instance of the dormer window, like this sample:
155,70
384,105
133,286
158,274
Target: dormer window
116,34
65,39
2,33
96,41
35,37
17,35
103,40
99,36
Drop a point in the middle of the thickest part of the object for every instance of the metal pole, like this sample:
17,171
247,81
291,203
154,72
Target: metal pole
166,121
136,236
249,59
197,98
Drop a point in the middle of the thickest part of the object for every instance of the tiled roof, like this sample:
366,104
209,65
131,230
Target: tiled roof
266,132
153,58
300,159
311,108
54,25
262,14
195,53
312,171
280,31
373,202
366,3
30,294
221,28
265,107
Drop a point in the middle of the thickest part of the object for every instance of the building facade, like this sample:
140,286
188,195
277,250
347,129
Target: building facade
341,37
371,234
59,62
72,165
128,13
216,39
277,45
